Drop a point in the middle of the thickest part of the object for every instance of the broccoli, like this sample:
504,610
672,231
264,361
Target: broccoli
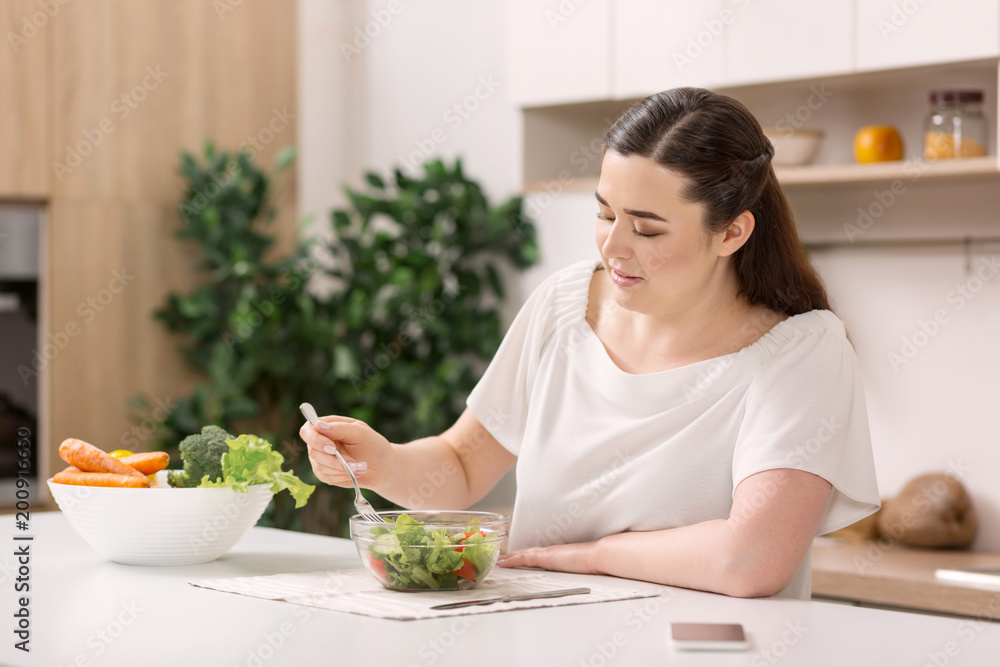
202,455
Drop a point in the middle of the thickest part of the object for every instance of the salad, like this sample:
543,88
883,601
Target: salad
407,555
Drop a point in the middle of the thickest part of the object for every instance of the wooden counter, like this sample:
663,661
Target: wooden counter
875,573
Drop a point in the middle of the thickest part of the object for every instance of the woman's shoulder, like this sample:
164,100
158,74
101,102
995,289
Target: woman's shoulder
564,294
801,337
574,278
558,302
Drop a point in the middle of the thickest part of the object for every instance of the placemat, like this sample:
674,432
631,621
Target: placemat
356,592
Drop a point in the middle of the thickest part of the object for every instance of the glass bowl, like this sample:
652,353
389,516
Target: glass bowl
429,549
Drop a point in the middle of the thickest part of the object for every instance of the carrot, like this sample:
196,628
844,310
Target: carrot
147,462
88,458
72,475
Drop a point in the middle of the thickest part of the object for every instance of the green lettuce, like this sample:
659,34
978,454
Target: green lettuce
252,460
415,556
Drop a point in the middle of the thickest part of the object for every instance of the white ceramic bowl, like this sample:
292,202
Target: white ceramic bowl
161,526
793,147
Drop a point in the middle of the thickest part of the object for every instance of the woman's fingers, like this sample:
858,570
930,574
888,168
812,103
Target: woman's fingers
357,443
349,432
329,470
321,450
529,557
558,557
322,440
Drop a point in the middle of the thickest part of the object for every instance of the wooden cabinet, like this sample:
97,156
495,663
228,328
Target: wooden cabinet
131,85
25,25
891,33
558,53
600,50
660,45
789,39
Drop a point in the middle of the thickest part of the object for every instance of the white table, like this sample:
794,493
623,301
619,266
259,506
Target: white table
79,600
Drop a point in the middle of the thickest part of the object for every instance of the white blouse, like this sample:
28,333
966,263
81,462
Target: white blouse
602,451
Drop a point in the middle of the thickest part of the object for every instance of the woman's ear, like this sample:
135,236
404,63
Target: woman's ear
737,234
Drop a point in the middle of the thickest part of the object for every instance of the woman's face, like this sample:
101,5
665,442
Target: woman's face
652,242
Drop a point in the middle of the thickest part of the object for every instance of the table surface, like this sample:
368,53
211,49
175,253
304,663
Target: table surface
86,610
885,573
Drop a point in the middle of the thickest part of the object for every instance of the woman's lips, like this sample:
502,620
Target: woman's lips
623,279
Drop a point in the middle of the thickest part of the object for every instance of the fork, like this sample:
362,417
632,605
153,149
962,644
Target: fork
364,507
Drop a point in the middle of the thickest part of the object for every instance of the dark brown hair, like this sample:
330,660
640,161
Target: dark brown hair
717,145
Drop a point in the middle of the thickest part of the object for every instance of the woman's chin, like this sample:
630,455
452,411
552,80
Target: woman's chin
627,299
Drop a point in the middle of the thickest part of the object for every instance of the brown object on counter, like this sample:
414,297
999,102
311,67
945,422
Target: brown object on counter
932,510
859,531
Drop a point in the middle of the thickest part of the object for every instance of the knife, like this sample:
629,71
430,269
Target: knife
515,598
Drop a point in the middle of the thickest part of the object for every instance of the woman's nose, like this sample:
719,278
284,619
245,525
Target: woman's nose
617,242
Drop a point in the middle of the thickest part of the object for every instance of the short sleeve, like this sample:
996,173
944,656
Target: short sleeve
500,399
806,410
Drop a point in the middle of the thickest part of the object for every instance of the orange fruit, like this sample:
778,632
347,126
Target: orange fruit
878,143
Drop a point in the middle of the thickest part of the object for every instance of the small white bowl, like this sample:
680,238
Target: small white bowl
161,525
793,147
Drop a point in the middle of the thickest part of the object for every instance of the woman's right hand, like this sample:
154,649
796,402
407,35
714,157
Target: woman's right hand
357,441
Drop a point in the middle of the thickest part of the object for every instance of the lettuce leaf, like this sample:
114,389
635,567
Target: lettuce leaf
252,460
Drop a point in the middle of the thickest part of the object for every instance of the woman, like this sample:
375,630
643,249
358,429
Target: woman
685,411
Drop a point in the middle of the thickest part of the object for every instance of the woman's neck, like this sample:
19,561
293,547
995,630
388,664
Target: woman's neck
720,322
702,331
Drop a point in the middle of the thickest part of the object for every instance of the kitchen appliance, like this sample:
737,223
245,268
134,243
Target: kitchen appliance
20,364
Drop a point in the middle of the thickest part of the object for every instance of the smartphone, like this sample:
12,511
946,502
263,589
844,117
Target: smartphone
709,637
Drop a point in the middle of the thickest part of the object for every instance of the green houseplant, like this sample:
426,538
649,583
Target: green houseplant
390,321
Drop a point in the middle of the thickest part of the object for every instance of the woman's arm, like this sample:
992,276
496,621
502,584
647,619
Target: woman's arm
756,552
447,471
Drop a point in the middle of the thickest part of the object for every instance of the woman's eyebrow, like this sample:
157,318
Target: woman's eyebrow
648,215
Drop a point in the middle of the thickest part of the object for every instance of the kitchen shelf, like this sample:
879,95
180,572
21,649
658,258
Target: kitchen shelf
562,142
835,174
909,170
836,201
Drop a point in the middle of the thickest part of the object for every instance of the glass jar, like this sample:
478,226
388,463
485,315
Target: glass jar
955,127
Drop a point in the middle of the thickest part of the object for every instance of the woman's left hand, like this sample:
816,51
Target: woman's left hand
560,558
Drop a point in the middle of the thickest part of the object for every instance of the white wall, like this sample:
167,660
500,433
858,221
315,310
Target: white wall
379,84
436,85
329,151
933,406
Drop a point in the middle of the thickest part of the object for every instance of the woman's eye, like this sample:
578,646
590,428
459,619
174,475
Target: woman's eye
601,216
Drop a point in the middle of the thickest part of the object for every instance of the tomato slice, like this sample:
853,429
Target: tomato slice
467,536
377,566
467,571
